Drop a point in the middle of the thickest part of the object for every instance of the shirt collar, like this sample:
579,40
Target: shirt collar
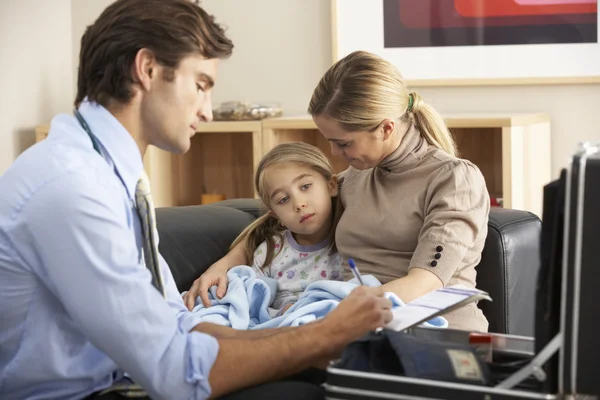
117,143
408,154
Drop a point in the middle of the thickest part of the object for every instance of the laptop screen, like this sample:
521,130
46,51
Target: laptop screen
548,291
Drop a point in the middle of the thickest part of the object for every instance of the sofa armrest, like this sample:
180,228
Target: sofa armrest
508,271
192,238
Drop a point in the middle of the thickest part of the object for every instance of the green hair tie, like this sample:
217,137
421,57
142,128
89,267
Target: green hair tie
410,102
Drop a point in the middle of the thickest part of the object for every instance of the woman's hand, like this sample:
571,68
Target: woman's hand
216,275
417,283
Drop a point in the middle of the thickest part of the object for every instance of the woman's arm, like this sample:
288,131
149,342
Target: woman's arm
453,234
417,283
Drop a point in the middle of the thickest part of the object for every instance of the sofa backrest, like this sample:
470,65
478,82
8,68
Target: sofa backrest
192,238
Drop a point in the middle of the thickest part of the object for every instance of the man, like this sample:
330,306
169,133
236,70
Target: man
87,304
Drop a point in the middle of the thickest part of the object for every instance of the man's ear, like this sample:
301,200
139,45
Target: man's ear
333,185
144,68
387,127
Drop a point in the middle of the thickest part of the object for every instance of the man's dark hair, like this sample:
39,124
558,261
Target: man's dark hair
171,29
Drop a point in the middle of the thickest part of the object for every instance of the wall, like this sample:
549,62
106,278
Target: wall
282,48
35,70
84,13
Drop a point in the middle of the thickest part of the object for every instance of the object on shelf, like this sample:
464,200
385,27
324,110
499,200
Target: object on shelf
212,198
496,201
244,111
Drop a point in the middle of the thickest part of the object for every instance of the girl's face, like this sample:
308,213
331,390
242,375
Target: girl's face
301,198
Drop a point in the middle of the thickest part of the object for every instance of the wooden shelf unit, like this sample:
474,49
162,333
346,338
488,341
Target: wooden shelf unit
222,160
512,150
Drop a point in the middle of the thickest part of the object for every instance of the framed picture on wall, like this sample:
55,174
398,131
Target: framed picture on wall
470,42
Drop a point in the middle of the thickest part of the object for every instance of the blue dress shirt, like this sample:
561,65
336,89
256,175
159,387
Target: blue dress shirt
77,306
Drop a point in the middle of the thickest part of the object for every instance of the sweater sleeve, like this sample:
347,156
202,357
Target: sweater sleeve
456,212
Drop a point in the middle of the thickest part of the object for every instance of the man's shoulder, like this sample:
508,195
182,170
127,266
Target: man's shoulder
56,168
65,149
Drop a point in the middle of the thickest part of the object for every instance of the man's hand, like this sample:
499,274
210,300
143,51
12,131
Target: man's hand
284,351
362,311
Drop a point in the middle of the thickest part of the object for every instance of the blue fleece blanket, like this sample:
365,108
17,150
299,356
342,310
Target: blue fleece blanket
246,304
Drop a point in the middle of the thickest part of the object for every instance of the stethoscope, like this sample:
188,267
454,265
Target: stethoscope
87,130
96,145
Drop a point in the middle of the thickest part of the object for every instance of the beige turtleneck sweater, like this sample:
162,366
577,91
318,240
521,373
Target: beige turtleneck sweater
420,208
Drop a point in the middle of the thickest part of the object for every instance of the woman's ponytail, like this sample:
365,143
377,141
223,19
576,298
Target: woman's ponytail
431,124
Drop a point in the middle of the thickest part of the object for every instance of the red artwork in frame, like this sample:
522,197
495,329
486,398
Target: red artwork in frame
426,23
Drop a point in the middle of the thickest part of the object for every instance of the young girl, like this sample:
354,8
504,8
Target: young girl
293,242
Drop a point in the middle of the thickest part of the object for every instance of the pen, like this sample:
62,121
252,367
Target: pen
355,271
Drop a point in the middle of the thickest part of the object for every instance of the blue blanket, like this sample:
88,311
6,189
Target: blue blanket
246,304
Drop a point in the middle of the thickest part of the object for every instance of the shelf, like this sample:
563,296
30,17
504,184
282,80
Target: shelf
41,132
222,160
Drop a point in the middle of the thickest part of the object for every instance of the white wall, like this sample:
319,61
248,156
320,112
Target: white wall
282,48
84,13
35,70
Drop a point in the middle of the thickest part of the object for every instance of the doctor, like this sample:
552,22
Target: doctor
89,309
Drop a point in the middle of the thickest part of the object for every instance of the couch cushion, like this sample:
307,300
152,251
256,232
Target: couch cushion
192,238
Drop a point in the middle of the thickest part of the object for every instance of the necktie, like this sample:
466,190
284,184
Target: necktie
145,209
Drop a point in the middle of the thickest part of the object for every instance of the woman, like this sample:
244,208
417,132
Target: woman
415,216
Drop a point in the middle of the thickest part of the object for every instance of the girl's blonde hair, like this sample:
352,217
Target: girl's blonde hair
267,227
361,90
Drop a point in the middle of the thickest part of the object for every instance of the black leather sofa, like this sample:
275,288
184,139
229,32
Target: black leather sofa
194,237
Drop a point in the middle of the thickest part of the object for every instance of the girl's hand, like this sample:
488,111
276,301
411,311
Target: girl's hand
216,275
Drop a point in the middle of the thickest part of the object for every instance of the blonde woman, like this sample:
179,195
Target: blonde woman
415,215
